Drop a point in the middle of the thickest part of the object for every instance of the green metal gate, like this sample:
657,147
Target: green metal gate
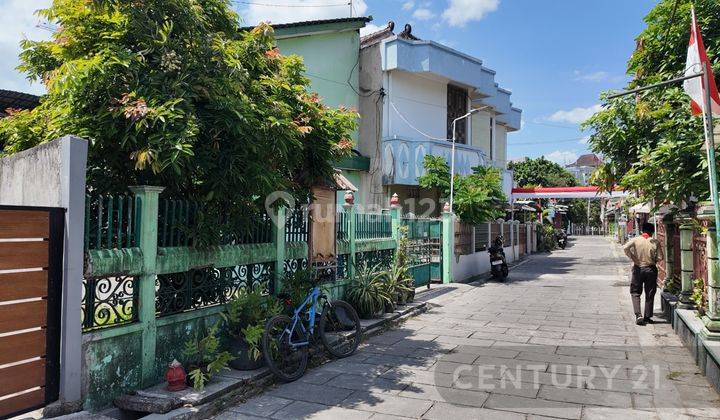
424,249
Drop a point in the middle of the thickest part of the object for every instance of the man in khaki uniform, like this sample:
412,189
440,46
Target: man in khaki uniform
643,251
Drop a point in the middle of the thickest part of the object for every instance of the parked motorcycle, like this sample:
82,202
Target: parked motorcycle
498,264
561,237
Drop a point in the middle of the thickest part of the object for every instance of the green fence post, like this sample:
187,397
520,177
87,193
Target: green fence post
147,198
712,318
278,233
448,241
351,234
395,213
686,265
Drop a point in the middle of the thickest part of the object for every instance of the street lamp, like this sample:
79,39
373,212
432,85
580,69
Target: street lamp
452,157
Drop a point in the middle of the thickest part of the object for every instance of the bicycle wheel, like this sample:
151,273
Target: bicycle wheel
340,328
285,361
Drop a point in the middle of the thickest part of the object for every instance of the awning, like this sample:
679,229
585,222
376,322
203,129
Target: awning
343,183
565,192
641,208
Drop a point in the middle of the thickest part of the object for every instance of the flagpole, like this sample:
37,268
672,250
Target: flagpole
710,142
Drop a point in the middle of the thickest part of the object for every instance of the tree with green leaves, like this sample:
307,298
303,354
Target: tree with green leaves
478,197
541,172
174,93
651,142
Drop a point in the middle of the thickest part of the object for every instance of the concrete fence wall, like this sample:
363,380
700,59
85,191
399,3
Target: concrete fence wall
53,175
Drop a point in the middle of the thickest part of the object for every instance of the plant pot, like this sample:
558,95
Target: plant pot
402,298
240,349
410,296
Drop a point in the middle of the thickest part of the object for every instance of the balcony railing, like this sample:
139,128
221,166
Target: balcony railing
403,158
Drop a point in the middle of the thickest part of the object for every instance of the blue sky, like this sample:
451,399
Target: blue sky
555,56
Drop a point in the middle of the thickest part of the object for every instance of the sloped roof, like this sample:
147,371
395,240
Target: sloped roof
17,100
590,159
361,19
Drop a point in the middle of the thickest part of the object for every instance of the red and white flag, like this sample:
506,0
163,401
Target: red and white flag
697,61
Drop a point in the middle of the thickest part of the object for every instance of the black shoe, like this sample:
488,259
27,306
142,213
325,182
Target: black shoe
649,320
640,321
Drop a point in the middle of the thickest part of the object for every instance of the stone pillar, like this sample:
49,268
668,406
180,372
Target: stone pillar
686,265
349,207
712,317
395,215
448,244
668,247
147,198
278,233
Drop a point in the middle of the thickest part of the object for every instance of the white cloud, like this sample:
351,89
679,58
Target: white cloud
370,28
562,157
584,140
408,5
19,22
423,14
575,115
255,13
460,12
597,76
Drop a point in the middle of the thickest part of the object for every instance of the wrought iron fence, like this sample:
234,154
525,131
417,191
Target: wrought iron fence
178,220
342,226
109,301
110,221
175,219
204,287
373,226
296,225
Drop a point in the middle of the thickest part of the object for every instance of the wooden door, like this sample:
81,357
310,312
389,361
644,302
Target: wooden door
30,294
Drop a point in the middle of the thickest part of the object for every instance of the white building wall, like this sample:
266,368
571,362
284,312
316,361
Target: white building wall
466,267
422,101
481,132
501,146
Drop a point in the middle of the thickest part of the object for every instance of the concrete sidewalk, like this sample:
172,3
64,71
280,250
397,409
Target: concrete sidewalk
556,340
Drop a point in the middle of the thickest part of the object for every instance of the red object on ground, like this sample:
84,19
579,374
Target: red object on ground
175,377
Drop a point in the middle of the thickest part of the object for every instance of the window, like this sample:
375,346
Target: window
457,107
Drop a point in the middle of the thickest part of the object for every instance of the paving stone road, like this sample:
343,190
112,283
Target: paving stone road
557,340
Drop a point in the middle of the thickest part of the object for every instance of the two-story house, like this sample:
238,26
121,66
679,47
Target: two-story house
330,49
407,92
410,92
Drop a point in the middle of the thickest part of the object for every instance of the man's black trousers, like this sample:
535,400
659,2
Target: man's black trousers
643,278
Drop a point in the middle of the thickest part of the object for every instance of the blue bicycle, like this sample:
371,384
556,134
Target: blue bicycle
286,340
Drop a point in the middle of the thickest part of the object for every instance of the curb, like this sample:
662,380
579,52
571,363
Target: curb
230,388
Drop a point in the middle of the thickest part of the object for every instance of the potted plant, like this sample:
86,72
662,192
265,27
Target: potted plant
401,284
204,358
401,267
245,318
367,291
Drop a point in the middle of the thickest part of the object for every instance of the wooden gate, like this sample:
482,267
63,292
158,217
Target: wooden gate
31,252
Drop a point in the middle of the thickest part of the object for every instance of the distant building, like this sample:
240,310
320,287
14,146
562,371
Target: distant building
412,90
584,167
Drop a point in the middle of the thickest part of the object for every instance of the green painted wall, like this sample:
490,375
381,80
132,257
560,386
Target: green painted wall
112,368
330,59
